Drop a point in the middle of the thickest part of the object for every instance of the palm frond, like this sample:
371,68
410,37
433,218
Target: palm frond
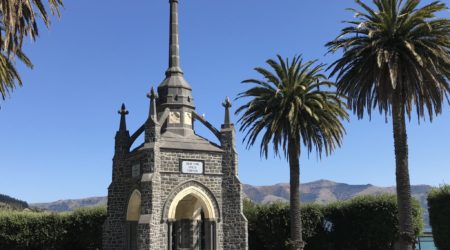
288,105
19,19
403,47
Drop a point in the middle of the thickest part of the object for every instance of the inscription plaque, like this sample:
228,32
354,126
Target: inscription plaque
192,167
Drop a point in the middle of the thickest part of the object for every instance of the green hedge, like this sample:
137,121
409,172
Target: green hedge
269,225
439,209
368,223
81,229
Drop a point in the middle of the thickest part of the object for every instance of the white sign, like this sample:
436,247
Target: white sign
192,167
136,170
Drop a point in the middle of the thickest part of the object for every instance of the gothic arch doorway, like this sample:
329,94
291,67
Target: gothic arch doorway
192,221
133,214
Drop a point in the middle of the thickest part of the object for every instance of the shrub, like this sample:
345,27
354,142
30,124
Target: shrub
84,228
368,223
251,213
272,225
313,222
35,231
269,226
439,209
26,230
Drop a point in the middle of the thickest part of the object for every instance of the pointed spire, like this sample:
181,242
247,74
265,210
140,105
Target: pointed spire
227,105
174,50
153,96
174,92
123,112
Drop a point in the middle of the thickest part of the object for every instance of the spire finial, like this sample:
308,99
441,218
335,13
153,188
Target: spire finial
174,50
123,112
227,105
153,96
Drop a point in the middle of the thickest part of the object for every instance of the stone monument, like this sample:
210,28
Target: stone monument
177,190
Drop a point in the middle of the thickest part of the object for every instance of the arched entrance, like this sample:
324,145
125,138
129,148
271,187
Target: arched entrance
192,221
133,214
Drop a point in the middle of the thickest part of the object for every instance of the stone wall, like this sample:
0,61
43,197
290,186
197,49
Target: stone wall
173,182
170,161
161,180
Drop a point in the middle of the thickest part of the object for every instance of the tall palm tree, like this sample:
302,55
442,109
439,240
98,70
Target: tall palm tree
396,57
18,19
291,106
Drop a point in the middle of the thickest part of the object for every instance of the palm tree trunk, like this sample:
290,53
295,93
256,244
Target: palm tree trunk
406,239
295,214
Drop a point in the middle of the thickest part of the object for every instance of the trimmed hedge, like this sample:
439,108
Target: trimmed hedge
368,223
81,229
439,209
269,225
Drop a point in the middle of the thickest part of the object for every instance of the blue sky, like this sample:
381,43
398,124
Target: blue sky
57,131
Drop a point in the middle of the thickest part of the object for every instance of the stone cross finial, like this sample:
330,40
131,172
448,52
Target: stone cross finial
227,105
123,112
153,96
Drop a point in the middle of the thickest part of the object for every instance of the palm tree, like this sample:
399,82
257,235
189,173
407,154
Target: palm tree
395,56
18,19
289,109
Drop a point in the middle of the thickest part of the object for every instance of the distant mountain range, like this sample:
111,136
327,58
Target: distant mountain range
325,191
70,205
322,192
